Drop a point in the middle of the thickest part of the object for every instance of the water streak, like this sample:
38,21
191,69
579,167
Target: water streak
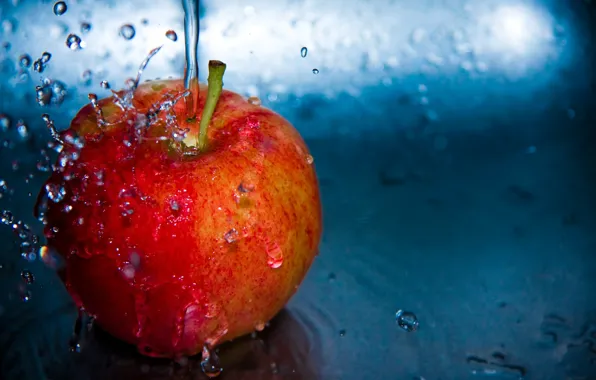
191,40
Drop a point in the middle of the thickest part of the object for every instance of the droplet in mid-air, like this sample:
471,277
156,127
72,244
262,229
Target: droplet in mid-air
105,84
45,57
74,42
22,130
172,35
60,8
26,296
127,31
25,61
85,27
4,122
406,320
303,52
315,71
27,276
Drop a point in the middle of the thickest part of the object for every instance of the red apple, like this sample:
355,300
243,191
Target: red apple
172,247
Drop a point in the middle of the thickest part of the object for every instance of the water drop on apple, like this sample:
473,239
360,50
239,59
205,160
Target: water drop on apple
275,257
255,101
231,236
210,363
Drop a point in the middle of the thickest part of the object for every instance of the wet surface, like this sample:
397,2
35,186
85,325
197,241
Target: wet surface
456,167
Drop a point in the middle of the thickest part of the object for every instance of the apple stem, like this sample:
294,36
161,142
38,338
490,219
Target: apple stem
214,88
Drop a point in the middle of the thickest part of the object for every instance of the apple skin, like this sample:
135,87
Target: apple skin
171,252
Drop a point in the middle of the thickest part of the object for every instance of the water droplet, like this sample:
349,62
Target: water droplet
105,84
210,363
135,259
260,326
315,71
86,77
406,320
245,187
275,257
74,42
303,52
172,35
45,57
26,295
4,122
55,192
25,61
309,159
85,27
27,276
50,92
60,8
255,101
342,333
127,31
231,236
174,205
3,188
331,277
22,129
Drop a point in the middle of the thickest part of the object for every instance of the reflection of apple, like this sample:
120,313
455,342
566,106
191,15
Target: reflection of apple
283,351
171,246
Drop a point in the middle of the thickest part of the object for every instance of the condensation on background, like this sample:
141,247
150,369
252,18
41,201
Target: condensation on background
298,56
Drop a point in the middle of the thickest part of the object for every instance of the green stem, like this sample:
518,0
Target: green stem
214,88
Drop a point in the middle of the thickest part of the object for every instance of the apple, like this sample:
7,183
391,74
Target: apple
178,232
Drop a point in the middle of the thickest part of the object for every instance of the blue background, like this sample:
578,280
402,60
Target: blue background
454,142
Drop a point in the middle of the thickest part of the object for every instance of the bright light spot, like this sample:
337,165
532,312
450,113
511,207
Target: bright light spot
518,29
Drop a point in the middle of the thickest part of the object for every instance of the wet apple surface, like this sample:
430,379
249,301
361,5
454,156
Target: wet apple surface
171,247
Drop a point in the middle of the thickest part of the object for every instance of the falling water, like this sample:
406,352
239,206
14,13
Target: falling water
191,38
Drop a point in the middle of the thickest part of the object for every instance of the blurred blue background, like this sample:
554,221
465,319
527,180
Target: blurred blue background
454,142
